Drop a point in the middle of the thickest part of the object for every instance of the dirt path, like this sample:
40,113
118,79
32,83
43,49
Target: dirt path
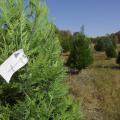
85,89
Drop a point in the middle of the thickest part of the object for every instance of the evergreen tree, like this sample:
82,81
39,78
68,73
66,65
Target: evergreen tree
110,49
81,55
65,38
114,40
37,91
100,45
103,42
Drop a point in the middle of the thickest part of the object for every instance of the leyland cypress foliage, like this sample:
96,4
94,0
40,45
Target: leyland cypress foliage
81,54
37,91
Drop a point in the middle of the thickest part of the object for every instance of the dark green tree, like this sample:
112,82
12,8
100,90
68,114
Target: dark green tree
81,54
65,38
118,58
114,39
110,49
99,45
37,91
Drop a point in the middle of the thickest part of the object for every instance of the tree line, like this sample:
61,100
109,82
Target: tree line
81,50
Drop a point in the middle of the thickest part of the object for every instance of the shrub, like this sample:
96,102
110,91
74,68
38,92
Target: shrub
37,91
110,51
81,55
100,45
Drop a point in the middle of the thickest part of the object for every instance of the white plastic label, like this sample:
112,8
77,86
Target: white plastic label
17,60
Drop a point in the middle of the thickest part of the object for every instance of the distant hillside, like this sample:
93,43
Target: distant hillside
113,36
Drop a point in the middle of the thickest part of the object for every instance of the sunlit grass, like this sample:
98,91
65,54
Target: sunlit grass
98,87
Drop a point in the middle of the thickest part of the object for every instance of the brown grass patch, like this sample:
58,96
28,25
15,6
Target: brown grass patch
98,88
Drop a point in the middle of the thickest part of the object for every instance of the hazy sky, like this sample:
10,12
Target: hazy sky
98,16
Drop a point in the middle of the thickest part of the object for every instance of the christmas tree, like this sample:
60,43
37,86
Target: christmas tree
37,91
81,54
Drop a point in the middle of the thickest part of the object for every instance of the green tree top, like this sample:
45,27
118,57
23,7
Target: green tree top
81,53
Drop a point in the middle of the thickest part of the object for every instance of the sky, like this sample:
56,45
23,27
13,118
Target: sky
99,17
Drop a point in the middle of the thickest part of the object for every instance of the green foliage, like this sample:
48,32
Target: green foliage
65,38
118,36
5,113
37,91
114,40
111,51
81,54
118,58
103,42
100,45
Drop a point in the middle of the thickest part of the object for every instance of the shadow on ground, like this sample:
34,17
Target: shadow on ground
108,67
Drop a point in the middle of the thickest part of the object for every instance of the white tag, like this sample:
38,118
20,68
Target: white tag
17,60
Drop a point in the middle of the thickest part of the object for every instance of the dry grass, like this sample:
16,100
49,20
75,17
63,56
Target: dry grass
98,88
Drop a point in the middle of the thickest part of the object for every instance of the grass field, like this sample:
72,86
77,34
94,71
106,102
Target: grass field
98,88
